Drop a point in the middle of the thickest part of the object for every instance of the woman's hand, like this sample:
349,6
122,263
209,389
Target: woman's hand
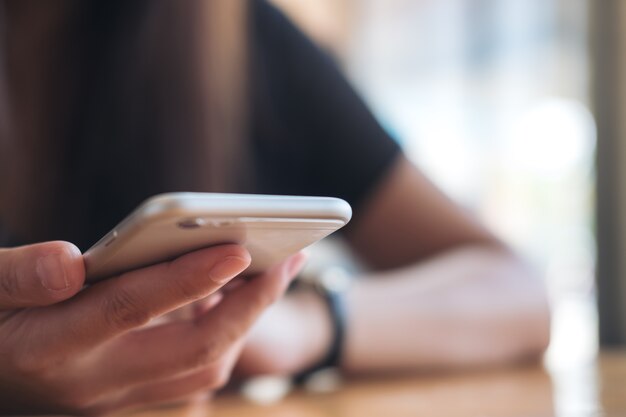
89,352
291,336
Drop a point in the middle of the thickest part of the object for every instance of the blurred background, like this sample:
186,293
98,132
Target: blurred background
491,98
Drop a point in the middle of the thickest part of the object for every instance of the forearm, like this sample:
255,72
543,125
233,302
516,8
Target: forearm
474,306
468,307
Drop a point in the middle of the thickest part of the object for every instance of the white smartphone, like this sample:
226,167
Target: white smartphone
169,225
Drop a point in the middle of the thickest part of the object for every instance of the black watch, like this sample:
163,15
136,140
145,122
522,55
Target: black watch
331,284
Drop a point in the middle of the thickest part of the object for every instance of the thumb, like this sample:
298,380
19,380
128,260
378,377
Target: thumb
40,274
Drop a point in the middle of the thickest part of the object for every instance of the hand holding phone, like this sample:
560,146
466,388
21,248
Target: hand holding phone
92,353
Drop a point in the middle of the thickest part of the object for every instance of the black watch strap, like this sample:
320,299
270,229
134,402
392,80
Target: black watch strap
331,286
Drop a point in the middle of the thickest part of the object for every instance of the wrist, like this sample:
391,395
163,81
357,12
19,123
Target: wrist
315,327
291,336
330,286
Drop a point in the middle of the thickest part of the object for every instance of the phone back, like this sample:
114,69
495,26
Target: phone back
271,228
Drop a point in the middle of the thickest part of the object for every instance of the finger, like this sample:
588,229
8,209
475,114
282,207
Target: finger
242,306
182,388
40,274
131,300
200,308
176,348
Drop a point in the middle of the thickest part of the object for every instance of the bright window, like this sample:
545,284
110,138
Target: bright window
490,99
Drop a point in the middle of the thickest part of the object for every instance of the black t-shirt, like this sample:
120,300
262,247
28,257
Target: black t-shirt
313,135
310,132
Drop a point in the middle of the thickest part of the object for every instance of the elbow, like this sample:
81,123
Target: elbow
538,329
522,313
529,297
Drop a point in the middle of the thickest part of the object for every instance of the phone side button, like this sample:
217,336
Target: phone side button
111,239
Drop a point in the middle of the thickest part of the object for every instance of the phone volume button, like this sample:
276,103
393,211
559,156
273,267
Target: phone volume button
192,223
111,239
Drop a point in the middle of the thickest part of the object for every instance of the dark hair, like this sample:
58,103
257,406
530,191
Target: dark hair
130,99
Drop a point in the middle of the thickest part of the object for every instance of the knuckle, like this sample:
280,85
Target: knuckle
27,364
189,289
206,353
38,364
123,310
217,378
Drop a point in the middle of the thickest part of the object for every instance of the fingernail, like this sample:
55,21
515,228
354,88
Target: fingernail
51,272
228,268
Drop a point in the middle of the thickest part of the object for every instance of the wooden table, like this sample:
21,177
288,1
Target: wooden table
591,389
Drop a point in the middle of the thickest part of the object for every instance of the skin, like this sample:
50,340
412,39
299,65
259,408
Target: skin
457,296
76,352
